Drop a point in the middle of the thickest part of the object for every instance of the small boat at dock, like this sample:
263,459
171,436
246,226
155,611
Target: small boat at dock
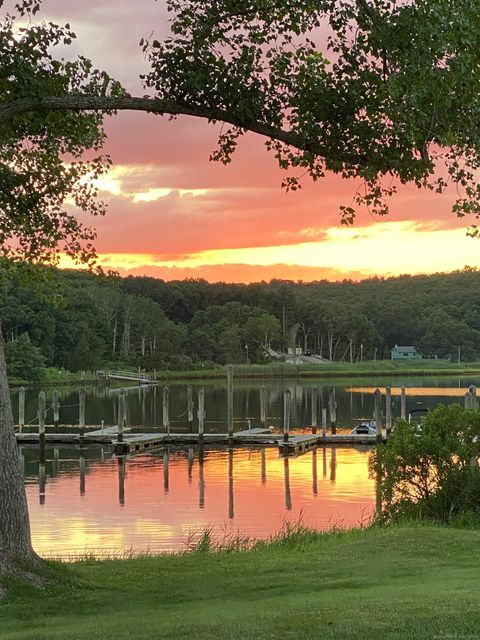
365,427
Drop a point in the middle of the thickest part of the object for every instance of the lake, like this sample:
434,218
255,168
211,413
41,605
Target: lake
162,500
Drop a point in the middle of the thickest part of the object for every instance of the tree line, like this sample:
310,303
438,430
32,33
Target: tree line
78,321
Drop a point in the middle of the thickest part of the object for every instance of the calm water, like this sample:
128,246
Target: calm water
88,500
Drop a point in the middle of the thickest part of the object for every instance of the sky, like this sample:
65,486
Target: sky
173,214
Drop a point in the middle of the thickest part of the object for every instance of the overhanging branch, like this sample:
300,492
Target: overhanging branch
106,104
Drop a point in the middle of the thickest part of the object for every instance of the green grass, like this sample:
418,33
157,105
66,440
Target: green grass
405,582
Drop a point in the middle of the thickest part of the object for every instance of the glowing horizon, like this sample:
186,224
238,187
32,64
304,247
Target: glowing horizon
173,214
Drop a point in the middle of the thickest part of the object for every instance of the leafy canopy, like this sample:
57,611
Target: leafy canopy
42,162
384,91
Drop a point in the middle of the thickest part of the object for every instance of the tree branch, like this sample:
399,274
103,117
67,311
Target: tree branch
21,106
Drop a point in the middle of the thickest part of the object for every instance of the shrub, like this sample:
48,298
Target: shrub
430,471
24,360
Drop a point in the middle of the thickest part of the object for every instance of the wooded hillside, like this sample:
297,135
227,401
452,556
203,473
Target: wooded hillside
78,321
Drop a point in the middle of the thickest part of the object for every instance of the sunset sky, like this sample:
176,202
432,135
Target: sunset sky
173,214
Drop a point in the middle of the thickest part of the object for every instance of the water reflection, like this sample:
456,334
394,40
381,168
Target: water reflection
121,503
249,492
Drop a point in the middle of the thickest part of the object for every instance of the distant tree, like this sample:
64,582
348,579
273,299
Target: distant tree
24,360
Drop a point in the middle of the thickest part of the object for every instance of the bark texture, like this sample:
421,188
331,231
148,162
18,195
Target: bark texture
17,557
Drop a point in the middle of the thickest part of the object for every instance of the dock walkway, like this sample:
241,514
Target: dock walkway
131,443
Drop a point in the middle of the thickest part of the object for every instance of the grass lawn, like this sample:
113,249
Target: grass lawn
407,582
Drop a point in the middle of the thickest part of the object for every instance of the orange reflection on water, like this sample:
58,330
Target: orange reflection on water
414,391
157,501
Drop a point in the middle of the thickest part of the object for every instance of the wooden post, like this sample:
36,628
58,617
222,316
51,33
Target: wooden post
230,401
263,407
403,404
286,419
81,415
388,410
82,378
324,422
332,406
190,406
166,459
201,412
81,463
324,460
473,396
21,408
166,409
122,411
467,400
314,473
314,409
231,511
56,408
378,413
41,422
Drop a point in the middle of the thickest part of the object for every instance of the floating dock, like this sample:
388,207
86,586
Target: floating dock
131,443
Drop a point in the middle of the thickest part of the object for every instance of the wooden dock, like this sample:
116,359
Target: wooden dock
132,443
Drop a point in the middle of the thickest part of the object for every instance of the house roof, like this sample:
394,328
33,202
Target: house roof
404,349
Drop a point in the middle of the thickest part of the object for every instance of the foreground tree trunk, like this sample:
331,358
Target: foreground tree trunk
17,557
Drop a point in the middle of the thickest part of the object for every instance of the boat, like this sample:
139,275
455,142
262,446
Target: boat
366,427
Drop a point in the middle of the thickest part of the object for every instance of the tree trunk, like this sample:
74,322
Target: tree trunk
114,343
17,557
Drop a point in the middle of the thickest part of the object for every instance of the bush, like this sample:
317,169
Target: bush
24,360
430,471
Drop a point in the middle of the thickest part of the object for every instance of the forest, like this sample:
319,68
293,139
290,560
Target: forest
74,320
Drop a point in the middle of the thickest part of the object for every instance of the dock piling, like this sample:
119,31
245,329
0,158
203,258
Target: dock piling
324,422
201,412
314,409
403,404
41,421
190,405
332,406
263,407
286,419
122,412
473,396
81,414
166,409
378,414
21,409
388,410
56,408
230,400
